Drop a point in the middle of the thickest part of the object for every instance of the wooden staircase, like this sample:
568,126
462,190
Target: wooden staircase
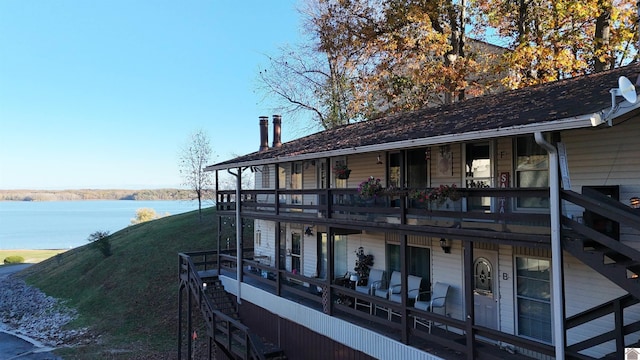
220,315
611,258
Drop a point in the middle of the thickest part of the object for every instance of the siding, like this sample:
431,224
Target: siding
447,268
506,288
608,156
363,166
456,176
585,289
360,339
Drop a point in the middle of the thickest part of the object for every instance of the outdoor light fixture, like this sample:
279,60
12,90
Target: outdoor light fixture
308,231
379,161
635,202
445,244
204,286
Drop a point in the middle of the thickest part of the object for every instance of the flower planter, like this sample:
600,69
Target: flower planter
344,175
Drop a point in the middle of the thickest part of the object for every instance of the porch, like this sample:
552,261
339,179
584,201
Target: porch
460,337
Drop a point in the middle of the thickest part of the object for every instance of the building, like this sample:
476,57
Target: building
503,225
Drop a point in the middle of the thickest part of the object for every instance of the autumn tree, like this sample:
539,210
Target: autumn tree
556,39
367,58
194,156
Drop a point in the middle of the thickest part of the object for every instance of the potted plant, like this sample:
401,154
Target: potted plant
341,170
437,195
370,188
363,264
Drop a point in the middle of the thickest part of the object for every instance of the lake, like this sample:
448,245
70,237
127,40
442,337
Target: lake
68,224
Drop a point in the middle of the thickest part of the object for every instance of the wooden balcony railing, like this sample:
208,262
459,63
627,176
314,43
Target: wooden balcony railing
517,211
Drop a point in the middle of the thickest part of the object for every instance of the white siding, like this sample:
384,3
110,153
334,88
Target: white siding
267,244
365,165
506,289
372,243
453,178
356,337
585,289
608,156
447,268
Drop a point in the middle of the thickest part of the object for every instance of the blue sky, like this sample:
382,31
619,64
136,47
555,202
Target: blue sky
102,94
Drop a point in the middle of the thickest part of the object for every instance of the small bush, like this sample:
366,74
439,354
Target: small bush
100,240
13,259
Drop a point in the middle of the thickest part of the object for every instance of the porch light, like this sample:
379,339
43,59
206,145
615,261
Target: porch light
635,202
308,231
204,286
445,244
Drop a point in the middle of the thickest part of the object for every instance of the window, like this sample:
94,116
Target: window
532,170
478,173
296,252
419,261
394,170
417,169
340,264
534,298
265,176
296,181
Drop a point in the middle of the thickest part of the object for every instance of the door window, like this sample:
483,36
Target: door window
483,276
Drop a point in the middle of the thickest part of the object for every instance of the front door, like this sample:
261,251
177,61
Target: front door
485,294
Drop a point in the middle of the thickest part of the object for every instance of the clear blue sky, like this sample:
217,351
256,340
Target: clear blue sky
102,94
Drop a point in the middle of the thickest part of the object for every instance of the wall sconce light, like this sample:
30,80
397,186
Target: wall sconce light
308,231
288,252
379,161
445,244
635,202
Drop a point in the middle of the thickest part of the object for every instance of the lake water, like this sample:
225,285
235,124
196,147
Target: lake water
68,224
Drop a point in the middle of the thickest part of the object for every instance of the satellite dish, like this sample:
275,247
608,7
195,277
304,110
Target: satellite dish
626,90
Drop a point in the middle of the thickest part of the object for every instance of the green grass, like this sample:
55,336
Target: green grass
131,297
30,256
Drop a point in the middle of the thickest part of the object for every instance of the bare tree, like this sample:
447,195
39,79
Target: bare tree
194,156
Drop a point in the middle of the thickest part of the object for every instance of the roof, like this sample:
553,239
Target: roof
564,104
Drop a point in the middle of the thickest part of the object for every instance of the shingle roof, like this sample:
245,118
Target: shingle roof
533,105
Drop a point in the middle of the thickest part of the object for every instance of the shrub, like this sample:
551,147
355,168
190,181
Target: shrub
13,259
100,240
144,215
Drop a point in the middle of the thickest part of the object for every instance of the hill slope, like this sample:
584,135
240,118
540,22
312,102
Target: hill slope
131,297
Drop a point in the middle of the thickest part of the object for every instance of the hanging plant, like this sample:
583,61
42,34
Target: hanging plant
341,171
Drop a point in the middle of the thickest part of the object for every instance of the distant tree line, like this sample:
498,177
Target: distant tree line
96,194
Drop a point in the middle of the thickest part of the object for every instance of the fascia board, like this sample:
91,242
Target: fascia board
576,122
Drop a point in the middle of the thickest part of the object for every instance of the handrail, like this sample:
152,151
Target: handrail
605,206
188,270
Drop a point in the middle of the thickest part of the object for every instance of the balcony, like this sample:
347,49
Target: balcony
494,214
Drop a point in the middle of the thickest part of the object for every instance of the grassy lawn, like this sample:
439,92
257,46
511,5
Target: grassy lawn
30,256
130,299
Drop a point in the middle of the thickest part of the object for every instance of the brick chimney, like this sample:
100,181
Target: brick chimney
264,133
277,129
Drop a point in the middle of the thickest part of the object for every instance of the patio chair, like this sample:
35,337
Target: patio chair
396,278
395,293
374,282
438,301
